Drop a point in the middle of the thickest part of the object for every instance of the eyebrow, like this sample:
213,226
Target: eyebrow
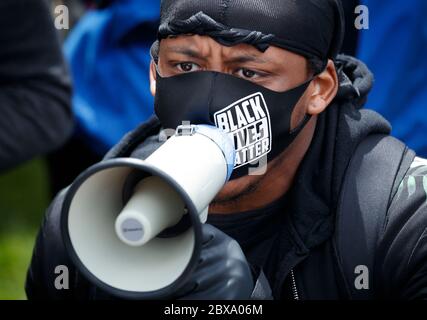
187,52
243,58
246,58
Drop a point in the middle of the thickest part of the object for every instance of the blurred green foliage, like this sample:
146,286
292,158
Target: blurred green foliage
24,196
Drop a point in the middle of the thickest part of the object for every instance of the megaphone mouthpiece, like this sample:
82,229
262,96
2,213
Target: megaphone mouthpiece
147,213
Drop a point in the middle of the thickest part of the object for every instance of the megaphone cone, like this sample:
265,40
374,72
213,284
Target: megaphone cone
133,227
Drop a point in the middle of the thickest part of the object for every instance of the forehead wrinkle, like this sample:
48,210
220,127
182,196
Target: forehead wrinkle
193,46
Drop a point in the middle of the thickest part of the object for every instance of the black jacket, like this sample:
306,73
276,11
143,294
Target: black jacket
302,262
35,89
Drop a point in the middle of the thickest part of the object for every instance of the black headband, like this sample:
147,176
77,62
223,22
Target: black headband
311,28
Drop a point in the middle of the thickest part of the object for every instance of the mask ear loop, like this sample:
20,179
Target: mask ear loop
154,51
154,54
297,130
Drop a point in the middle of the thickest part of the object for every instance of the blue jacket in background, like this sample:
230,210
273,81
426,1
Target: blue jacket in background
395,49
108,52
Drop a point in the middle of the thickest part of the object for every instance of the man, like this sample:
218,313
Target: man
292,222
35,88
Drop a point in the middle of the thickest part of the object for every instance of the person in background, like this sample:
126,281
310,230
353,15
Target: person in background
35,88
394,48
108,52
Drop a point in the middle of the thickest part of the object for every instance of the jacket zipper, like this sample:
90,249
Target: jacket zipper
294,286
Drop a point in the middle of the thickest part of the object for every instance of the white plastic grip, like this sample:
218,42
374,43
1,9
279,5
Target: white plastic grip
154,207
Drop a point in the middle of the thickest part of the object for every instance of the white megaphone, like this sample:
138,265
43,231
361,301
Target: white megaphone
133,227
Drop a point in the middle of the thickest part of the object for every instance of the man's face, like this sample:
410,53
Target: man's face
276,69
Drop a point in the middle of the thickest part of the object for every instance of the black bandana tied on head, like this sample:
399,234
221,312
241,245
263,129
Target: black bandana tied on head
311,28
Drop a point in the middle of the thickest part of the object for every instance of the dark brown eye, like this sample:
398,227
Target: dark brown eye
187,67
248,73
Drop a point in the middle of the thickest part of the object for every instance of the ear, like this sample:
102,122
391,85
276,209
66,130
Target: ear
325,88
153,78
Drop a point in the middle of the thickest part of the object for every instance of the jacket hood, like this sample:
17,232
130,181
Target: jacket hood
339,130
355,79
315,192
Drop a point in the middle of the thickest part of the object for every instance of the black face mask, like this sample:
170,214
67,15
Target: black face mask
258,119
